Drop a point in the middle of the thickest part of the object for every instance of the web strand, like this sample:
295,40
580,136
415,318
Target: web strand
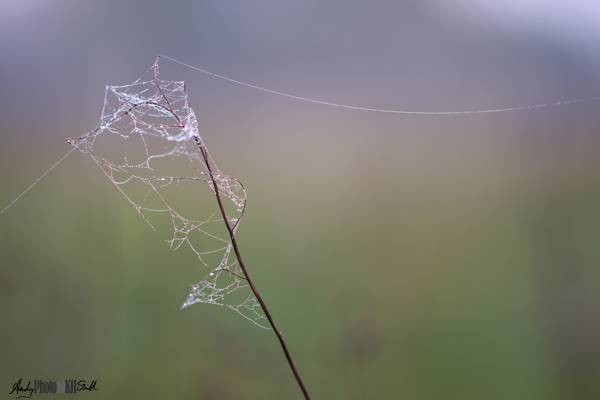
558,103
39,179
497,110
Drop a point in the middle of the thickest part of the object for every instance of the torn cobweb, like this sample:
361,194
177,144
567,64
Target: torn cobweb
147,143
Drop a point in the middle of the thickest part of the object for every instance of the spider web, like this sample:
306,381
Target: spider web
147,143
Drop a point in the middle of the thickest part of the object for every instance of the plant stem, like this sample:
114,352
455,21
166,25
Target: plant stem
254,290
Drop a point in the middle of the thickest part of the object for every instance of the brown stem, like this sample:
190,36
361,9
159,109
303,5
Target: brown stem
254,290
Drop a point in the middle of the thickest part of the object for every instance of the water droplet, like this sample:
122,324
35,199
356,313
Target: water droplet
212,273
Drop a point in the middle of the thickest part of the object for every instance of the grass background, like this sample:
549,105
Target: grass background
402,256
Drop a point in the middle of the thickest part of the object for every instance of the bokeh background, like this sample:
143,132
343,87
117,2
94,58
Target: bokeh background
402,256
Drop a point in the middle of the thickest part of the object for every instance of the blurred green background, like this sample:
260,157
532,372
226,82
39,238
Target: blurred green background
402,256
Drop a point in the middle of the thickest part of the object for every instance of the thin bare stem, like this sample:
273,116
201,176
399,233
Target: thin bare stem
242,266
231,234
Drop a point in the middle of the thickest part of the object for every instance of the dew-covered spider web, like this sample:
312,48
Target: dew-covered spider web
147,143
